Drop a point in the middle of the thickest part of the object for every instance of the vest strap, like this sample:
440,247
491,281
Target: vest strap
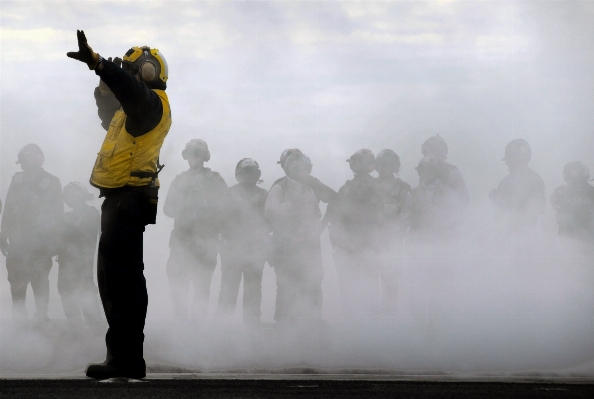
144,174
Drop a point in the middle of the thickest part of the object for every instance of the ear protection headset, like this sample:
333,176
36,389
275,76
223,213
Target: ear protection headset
149,63
196,146
248,169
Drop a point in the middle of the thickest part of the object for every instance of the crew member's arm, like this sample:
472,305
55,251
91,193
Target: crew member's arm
459,185
7,218
277,208
321,191
539,198
143,107
173,200
405,212
57,208
555,199
220,187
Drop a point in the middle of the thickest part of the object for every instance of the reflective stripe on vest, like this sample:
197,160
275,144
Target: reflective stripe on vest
121,153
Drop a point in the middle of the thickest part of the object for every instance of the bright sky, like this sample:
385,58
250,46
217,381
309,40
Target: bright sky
252,78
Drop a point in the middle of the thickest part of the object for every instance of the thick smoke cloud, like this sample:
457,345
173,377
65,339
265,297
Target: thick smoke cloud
254,78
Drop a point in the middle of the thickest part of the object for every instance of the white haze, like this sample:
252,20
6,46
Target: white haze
254,78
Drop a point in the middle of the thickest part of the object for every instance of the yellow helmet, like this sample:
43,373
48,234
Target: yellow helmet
148,62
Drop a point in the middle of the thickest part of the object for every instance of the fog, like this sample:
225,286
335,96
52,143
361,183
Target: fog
254,78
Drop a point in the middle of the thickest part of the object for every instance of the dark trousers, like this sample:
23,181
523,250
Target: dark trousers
299,274
122,286
192,262
78,291
358,278
235,262
298,295
25,270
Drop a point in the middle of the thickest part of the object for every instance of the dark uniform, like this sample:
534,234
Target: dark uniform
294,213
355,219
196,201
574,205
322,192
436,213
520,198
76,257
140,125
391,238
31,222
243,251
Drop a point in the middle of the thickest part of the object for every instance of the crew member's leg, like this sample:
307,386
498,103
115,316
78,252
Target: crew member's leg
252,293
67,290
41,267
391,264
179,277
311,275
201,279
345,268
87,295
122,285
18,279
230,281
367,295
287,294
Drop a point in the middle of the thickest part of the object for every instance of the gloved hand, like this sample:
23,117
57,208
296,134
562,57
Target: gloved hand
85,53
4,246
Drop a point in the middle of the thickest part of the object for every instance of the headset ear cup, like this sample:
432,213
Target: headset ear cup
207,157
185,153
148,72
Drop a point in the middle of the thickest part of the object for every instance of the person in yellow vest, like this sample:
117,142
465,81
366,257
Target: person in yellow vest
126,174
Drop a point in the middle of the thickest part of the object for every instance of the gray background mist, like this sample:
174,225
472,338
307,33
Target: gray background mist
253,78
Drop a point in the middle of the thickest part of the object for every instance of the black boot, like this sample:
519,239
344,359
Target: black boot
103,371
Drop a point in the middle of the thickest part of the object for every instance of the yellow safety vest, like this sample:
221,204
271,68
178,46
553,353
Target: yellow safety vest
122,153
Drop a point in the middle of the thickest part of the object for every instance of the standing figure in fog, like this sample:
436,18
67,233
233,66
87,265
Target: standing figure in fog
355,218
436,213
244,244
196,201
322,192
436,206
394,226
33,216
520,197
76,256
296,255
574,203
450,177
134,109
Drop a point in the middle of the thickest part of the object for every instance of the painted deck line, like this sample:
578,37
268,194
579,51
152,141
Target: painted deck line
329,377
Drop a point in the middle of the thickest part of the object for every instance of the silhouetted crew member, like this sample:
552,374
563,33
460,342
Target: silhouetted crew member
574,203
436,213
244,244
321,191
520,197
32,218
436,207
450,176
126,174
76,256
294,214
394,226
196,201
355,219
